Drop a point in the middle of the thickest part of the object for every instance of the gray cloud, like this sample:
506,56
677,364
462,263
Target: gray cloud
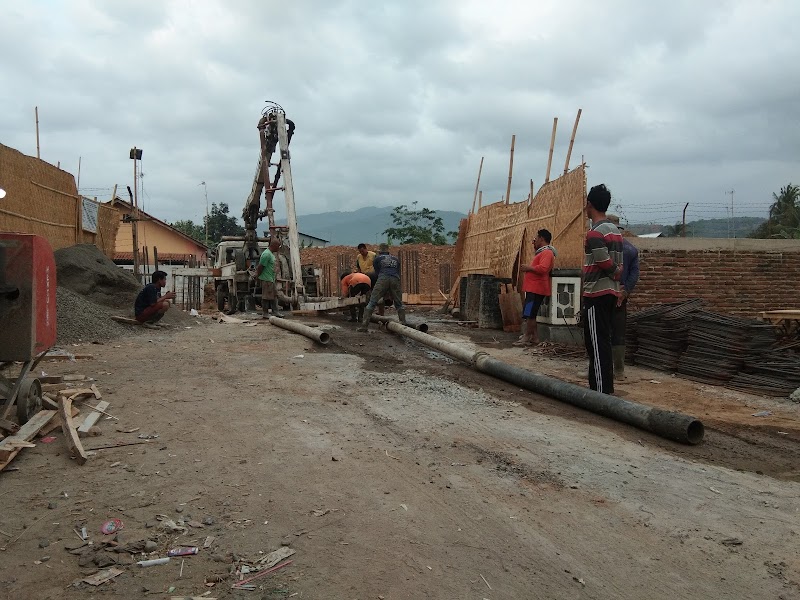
681,101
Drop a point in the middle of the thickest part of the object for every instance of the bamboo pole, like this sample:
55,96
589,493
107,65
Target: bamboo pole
531,191
552,143
510,169
572,140
477,183
480,199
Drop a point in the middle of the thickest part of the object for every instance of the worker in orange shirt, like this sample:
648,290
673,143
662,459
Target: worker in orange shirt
536,285
354,284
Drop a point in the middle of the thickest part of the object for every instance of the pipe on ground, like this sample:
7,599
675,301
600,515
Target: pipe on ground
667,424
423,327
310,332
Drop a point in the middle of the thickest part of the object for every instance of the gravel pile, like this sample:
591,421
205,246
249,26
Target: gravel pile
88,272
81,320
428,390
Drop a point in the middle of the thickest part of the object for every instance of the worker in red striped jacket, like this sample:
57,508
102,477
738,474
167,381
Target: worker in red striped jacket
602,269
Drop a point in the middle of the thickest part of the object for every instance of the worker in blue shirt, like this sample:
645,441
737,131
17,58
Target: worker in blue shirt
387,282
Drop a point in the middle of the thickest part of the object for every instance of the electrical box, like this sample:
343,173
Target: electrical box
27,296
564,303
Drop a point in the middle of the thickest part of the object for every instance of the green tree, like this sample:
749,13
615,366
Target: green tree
673,230
412,226
188,227
221,223
784,215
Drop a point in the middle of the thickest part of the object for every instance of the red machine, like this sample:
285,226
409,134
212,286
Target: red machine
27,316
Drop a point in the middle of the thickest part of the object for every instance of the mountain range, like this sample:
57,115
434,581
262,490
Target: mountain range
367,225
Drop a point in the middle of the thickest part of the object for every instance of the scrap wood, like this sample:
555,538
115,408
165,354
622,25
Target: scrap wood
26,433
97,394
126,320
70,433
261,574
102,576
223,318
14,445
273,558
136,443
94,416
74,393
56,422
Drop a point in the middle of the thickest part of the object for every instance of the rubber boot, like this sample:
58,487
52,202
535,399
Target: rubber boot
401,315
360,313
618,354
276,311
365,323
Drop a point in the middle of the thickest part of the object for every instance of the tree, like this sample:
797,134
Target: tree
414,226
196,232
673,230
784,215
221,223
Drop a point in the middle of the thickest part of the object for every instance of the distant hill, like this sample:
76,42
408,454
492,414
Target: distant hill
706,228
362,225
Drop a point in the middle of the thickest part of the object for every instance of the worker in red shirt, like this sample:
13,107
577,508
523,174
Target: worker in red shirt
536,285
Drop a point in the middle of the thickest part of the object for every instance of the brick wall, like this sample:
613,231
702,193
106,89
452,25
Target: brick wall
430,258
739,277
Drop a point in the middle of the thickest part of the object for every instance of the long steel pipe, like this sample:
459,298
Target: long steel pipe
310,332
668,424
423,327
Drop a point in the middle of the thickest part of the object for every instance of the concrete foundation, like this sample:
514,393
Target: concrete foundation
562,334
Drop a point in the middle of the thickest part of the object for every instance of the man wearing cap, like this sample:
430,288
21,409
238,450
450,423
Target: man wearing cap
537,285
628,280
602,270
387,282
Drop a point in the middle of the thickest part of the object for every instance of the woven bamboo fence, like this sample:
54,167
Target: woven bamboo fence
43,200
497,239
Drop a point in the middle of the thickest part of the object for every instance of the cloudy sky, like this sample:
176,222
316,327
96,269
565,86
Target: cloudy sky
398,101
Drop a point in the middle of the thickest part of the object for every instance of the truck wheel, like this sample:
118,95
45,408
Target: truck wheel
241,260
222,293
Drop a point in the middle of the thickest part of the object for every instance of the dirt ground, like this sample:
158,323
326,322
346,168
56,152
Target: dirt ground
395,472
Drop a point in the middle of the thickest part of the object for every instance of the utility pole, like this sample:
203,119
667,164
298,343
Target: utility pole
36,111
203,183
136,155
733,223
683,229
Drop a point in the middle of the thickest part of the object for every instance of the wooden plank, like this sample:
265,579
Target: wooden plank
27,432
70,434
97,394
56,422
126,320
74,393
93,417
